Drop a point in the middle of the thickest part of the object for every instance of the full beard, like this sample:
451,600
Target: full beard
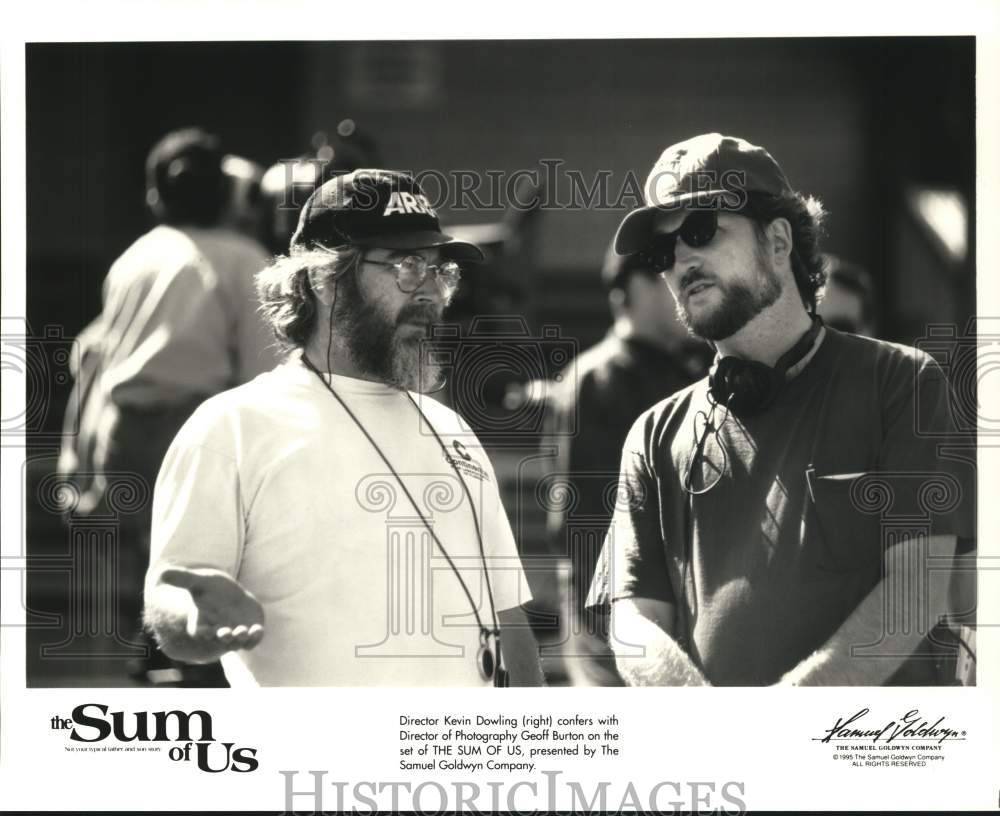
741,302
376,345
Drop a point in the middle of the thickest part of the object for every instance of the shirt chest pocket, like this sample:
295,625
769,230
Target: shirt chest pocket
848,532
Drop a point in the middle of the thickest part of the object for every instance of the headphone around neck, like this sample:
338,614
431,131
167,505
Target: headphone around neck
747,387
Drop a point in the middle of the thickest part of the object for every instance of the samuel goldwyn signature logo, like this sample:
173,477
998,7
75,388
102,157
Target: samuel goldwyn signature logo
910,726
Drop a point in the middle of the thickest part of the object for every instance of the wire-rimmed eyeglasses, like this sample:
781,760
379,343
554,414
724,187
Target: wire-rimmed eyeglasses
706,469
412,271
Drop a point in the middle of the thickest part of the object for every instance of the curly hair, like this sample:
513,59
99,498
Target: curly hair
287,300
805,214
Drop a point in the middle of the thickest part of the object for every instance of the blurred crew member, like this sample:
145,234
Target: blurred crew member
179,324
244,211
848,298
287,185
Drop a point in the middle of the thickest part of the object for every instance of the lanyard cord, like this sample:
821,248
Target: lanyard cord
482,552
472,507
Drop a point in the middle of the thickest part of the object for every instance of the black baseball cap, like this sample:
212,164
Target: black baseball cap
182,153
376,208
710,170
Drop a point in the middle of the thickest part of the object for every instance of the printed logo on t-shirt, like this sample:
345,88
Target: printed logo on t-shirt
465,464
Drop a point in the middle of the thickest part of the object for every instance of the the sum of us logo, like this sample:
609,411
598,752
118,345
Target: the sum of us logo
405,203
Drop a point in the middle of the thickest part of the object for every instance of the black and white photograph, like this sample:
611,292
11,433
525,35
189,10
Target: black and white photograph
497,395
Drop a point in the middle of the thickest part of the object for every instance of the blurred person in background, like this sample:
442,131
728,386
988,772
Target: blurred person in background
848,302
646,355
179,324
244,211
287,184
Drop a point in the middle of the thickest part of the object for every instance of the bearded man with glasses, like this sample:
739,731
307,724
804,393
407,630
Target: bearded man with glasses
328,524
750,543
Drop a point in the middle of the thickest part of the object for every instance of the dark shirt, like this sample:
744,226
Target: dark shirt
766,566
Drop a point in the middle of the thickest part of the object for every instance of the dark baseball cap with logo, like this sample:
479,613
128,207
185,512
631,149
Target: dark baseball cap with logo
707,171
376,208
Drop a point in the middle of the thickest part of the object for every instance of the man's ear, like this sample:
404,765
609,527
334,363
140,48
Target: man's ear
324,285
780,232
617,301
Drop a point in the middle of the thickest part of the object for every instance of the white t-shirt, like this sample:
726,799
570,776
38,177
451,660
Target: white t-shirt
273,483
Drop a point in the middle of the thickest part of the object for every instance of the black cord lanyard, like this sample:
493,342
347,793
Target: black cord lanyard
489,659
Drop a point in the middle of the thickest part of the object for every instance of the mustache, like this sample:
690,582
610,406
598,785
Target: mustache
692,277
419,313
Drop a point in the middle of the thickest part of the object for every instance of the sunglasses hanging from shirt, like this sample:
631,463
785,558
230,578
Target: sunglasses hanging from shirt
489,659
744,388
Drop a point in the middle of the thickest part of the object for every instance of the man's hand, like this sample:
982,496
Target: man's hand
200,614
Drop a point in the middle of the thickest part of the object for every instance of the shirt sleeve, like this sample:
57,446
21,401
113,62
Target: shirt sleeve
198,510
633,562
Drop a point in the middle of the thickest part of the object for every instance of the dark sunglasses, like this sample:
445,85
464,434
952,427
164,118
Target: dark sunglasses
696,231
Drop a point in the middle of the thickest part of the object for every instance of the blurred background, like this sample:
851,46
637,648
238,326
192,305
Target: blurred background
882,130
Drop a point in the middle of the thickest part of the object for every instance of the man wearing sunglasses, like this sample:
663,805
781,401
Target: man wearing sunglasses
328,524
754,540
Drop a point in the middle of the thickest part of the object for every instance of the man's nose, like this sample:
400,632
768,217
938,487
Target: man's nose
430,290
686,260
